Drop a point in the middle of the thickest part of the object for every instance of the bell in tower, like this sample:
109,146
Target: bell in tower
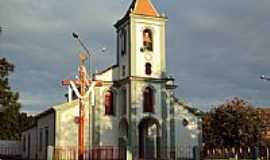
141,41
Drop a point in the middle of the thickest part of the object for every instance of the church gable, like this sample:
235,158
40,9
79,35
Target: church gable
66,106
108,75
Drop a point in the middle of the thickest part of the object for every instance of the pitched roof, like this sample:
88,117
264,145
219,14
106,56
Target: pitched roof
107,69
144,7
140,7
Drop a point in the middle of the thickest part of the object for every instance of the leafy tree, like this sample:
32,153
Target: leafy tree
233,124
264,114
25,121
10,118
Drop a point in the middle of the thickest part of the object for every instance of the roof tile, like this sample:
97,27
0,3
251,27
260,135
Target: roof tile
145,7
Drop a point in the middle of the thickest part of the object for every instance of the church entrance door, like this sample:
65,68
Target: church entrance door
149,139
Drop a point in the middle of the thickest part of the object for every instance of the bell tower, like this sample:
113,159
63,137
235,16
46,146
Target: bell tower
141,42
141,59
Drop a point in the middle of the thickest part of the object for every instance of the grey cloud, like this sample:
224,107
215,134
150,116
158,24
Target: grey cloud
219,48
222,49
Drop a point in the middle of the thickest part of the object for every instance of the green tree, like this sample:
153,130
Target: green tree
233,124
25,121
12,122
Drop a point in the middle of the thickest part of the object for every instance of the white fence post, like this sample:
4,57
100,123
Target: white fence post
129,155
50,152
236,156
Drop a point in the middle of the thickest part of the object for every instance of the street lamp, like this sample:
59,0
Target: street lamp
103,49
263,77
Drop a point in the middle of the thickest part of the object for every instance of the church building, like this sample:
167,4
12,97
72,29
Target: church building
135,107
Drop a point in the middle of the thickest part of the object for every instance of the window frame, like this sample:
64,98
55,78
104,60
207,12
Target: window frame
145,47
109,106
47,136
40,140
124,105
148,100
123,71
148,68
24,143
123,38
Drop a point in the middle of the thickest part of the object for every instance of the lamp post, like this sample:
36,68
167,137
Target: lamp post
103,49
81,129
263,77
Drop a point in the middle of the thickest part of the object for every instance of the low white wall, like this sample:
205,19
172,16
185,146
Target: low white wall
66,130
29,143
44,123
10,147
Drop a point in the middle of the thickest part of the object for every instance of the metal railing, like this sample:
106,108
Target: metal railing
236,153
10,151
97,153
119,153
183,152
179,152
13,152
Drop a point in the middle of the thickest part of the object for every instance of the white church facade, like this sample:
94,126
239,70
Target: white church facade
135,107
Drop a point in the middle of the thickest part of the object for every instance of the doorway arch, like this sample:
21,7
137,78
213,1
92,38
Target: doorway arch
149,138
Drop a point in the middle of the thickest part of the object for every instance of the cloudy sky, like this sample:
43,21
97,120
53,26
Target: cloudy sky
216,49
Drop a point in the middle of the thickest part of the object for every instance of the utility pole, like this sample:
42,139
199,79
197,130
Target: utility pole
82,83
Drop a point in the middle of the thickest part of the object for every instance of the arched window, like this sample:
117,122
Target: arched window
148,40
124,102
148,69
109,103
124,42
148,100
123,70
